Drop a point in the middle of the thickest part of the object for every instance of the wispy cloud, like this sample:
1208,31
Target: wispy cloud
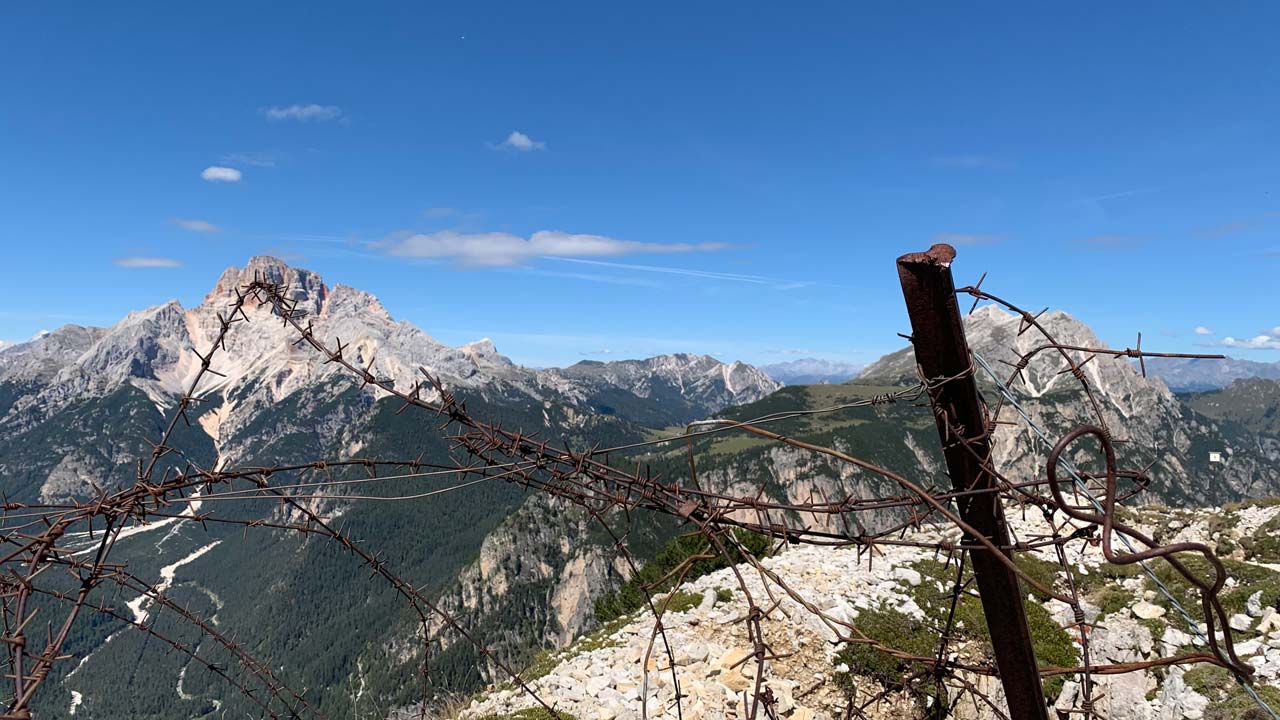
1203,331
519,141
305,113
146,262
973,162
488,250
776,283
1224,229
200,226
1105,197
218,173
1109,242
436,213
967,239
598,278
252,159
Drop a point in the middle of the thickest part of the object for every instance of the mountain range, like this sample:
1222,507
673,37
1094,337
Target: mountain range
522,571
812,371
1189,375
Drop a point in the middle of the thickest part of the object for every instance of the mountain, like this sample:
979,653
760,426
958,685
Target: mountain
677,387
522,571
1155,425
152,351
78,404
1159,429
1185,375
1253,402
812,371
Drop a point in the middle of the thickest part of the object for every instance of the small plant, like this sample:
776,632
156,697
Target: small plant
535,713
904,633
656,574
681,601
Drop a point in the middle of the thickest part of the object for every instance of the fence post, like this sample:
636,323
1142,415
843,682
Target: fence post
942,352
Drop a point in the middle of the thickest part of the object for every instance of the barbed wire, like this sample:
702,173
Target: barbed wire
908,513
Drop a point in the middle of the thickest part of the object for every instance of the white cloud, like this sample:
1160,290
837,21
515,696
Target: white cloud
146,262
476,250
1260,342
519,141
217,173
200,226
1202,330
307,112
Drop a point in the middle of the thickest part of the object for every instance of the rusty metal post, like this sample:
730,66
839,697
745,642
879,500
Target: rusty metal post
942,352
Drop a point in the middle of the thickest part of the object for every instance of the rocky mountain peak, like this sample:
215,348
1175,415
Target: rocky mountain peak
993,334
48,352
304,285
485,354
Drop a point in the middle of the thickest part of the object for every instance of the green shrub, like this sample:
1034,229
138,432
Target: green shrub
631,596
681,601
901,632
535,713
1052,644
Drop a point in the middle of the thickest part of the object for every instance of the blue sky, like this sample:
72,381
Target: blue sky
601,180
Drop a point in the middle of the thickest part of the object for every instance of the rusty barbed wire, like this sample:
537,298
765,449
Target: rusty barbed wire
41,537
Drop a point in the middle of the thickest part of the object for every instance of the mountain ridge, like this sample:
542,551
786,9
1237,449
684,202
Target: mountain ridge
812,371
155,350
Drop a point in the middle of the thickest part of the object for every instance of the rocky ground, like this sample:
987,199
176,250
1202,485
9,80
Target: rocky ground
622,671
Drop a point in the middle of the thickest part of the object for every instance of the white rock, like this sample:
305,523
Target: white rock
1253,605
1147,611
911,577
1270,621
1240,622
1248,647
1175,637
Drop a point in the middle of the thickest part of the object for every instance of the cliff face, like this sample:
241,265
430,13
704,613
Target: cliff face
537,578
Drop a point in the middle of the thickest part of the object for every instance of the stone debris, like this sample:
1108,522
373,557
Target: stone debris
1147,611
717,672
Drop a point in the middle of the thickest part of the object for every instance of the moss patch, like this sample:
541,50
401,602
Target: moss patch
681,601
1264,545
1227,699
1249,579
548,660
538,713
654,576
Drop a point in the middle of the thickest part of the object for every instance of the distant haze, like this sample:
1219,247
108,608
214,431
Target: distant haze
812,371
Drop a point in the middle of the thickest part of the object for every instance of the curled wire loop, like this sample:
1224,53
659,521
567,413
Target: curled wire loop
1211,604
